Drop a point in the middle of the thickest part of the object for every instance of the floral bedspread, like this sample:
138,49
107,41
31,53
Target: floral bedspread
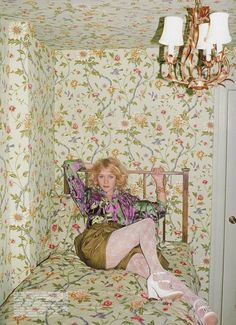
63,290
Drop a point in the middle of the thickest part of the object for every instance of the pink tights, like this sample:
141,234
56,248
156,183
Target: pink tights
143,232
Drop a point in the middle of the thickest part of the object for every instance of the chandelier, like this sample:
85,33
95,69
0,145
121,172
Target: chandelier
202,62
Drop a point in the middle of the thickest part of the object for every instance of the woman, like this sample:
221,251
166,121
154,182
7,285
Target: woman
120,230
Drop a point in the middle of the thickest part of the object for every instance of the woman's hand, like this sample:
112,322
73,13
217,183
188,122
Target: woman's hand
88,166
158,176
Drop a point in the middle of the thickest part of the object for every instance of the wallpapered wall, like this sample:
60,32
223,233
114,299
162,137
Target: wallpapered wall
26,151
111,103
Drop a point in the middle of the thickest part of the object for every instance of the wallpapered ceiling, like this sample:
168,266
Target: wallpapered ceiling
88,24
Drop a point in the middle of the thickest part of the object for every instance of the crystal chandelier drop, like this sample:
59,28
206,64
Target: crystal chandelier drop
202,62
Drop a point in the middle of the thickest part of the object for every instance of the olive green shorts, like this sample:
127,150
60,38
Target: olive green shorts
90,246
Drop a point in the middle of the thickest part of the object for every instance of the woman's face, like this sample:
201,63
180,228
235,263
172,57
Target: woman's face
107,181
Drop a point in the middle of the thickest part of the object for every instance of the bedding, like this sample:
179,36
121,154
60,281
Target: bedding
63,290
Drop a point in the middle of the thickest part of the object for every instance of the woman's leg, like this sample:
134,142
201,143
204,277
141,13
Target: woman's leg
123,240
141,233
201,307
138,264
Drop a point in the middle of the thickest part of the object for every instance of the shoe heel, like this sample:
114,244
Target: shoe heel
152,293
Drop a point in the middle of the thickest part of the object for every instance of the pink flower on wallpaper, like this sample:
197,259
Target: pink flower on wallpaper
54,227
12,108
138,318
94,139
200,197
144,295
178,232
118,295
179,141
137,70
177,271
165,308
74,125
76,226
107,303
158,127
117,58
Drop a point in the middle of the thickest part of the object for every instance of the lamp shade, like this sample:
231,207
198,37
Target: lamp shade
219,29
203,32
173,31
203,43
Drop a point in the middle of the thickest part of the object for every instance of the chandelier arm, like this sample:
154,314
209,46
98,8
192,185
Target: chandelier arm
222,75
181,82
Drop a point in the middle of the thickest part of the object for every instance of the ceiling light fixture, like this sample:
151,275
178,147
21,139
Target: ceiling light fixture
202,62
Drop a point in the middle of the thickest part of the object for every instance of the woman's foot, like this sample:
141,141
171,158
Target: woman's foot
159,287
204,315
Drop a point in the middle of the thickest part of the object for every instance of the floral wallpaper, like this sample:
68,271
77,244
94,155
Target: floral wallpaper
110,102
89,104
26,143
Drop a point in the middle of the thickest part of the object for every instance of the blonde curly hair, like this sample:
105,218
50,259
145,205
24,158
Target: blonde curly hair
115,167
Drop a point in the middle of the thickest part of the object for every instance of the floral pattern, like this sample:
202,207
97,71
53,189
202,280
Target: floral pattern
64,290
26,158
80,24
58,105
118,107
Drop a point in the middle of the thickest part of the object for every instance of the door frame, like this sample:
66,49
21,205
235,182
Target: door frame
218,196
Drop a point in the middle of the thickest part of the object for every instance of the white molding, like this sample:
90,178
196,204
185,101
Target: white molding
218,200
218,197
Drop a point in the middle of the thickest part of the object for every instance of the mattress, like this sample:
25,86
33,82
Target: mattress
63,290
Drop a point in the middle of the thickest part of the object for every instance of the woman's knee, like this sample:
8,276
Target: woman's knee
148,222
138,264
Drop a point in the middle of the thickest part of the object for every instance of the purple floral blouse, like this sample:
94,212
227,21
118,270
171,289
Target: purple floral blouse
124,208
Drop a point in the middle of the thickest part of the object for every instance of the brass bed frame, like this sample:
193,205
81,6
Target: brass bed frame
185,181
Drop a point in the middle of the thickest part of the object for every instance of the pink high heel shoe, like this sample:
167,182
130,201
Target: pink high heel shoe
204,314
159,287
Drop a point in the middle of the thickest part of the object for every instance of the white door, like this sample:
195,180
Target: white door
222,295
229,269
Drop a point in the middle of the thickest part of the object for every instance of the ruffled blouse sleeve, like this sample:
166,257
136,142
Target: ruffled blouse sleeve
78,191
142,209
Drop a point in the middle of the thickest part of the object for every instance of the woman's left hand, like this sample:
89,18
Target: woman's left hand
158,176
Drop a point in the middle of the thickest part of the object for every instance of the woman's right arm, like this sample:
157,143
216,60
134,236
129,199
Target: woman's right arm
78,190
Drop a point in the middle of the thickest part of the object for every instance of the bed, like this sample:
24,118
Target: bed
63,290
